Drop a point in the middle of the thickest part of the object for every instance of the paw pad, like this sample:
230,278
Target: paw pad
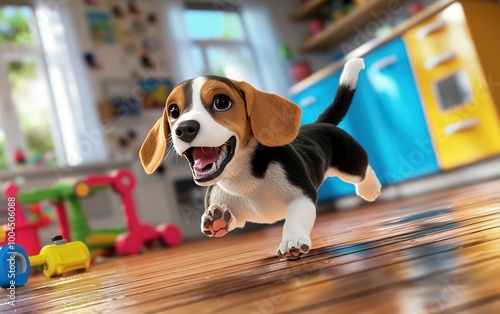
216,221
292,250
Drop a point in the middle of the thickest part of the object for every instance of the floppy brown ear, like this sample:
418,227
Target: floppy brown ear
274,120
154,149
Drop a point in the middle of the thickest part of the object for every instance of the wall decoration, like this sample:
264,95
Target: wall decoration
123,101
124,145
124,107
123,48
152,18
100,27
105,112
146,61
133,8
120,32
91,2
118,12
91,60
155,92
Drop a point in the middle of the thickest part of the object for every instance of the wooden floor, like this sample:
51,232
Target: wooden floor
432,254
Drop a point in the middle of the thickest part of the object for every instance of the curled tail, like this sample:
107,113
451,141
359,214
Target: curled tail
345,93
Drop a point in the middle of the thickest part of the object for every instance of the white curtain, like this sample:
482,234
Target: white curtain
81,135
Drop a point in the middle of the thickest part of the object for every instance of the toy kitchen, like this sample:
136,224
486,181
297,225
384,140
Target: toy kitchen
428,102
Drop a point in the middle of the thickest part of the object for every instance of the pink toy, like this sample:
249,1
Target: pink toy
26,231
315,27
138,234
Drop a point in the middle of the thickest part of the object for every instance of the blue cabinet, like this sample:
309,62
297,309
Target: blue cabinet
386,117
317,97
392,105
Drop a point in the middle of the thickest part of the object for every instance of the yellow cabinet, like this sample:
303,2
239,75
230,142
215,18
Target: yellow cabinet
456,95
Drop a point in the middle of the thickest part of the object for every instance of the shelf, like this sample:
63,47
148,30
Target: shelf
376,42
339,30
310,9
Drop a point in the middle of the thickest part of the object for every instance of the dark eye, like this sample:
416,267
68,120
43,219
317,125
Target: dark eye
173,111
222,103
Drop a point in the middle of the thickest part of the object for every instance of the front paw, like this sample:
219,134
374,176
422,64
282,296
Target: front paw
216,220
293,248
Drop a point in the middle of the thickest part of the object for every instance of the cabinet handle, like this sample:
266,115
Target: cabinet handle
429,29
308,101
384,62
453,128
445,57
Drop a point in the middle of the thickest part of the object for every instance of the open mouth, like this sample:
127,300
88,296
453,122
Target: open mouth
207,163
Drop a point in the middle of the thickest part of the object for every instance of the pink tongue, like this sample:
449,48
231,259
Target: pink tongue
204,156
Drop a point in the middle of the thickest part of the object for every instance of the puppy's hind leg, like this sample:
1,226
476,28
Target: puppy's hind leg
368,188
297,229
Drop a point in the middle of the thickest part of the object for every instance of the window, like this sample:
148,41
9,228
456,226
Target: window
47,109
26,122
218,43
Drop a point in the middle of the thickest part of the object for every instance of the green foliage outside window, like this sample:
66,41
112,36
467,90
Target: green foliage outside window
15,25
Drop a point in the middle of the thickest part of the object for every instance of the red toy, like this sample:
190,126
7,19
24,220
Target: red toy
19,157
26,231
130,242
65,196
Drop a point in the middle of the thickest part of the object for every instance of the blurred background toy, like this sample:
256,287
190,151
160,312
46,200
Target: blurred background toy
137,233
26,230
57,258
66,195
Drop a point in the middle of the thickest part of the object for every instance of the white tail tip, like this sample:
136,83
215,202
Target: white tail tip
349,76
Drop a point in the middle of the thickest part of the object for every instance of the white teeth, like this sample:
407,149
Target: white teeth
215,166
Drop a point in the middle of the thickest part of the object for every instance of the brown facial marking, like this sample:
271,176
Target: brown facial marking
178,97
235,118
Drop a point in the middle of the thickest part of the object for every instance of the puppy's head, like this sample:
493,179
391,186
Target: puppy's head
210,119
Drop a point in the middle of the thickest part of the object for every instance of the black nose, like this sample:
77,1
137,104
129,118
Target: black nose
187,130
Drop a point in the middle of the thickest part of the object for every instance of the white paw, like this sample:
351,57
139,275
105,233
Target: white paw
294,248
216,220
369,192
370,188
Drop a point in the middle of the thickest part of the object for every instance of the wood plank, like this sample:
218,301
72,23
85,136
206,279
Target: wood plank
350,24
361,247
487,305
359,259
310,9
458,291
311,289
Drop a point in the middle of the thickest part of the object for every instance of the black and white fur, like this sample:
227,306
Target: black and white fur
264,184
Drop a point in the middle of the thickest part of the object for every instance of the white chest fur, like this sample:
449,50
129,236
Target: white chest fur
260,200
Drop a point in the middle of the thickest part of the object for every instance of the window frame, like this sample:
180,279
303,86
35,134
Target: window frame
204,45
14,136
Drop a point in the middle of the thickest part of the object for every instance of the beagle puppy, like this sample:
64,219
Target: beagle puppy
259,164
